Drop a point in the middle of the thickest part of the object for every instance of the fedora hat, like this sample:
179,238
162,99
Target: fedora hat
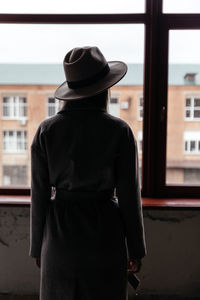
88,73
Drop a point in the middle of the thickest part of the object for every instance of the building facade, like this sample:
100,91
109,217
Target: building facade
27,98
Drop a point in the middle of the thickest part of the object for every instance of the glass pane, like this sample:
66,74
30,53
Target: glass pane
14,175
114,100
183,115
197,102
51,111
186,146
188,102
192,146
22,111
187,114
71,7
6,111
191,176
6,99
196,113
51,100
181,6
37,71
22,100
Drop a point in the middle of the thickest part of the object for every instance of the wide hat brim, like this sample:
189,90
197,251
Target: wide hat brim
117,71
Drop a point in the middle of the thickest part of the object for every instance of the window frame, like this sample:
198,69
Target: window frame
117,95
15,140
191,109
56,105
140,107
13,106
157,25
189,140
169,22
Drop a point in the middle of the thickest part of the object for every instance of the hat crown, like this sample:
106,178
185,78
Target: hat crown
82,63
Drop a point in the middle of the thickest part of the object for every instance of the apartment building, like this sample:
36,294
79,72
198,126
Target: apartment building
27,98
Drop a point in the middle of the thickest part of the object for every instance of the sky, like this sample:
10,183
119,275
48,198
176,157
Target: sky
37,43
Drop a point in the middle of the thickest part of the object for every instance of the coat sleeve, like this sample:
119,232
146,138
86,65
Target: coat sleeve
40,193
129,194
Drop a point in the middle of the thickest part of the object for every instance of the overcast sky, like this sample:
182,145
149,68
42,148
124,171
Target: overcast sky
30,43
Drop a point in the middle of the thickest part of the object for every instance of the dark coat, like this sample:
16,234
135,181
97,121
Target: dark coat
83,240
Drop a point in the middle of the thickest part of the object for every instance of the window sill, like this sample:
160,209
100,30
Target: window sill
147,202
14,200
171,202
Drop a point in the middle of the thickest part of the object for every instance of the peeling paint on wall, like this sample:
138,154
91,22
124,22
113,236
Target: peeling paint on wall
168,218
13,225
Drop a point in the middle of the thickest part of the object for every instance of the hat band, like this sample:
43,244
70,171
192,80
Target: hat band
88,81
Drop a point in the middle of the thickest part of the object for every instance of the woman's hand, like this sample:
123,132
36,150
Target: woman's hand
37,260
134,265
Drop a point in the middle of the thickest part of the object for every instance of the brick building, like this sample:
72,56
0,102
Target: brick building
26,93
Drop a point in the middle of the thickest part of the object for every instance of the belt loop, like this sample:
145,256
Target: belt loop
53,193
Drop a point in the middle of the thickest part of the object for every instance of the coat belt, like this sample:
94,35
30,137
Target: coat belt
64,194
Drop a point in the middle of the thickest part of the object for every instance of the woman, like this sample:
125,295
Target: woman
86,218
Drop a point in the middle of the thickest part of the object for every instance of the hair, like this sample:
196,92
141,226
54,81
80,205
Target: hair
100,101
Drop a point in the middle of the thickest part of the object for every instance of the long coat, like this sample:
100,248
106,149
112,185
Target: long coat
94,224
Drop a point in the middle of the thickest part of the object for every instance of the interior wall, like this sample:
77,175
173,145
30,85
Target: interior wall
171,267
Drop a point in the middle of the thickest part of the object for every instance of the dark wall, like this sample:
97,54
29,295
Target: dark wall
171,267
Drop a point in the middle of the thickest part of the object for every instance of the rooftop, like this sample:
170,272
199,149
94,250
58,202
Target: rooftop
53,74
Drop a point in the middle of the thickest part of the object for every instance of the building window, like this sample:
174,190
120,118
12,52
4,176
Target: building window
52,106
125,103
14,107
140,141
14,141
192,142
190,78
14,175
140,108
114,107
192,108
191,176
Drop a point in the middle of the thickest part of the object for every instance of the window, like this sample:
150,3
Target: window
75,7
52,106
192,108
191,176
140,141
192,142
183,6
14,141
125,104
183,136
171,76
14,107
14,175
140,108
40,70
114,105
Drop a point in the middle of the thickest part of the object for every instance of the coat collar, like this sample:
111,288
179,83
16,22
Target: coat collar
80,105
